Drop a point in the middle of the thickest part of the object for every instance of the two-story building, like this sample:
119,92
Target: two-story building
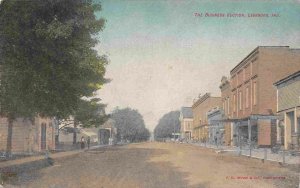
288,105
200,109
252,90
186,122
226,106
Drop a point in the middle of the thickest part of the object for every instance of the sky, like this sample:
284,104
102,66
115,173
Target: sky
162,56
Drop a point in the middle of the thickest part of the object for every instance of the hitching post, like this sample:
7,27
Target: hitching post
265,154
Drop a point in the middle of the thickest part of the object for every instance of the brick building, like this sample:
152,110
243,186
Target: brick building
252,90
226,106
28,136
200,109
186,122
288,105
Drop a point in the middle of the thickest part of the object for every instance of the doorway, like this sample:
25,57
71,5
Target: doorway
104,135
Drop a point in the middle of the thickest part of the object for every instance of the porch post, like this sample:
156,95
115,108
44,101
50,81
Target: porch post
295,120
249,131
278,140
249,135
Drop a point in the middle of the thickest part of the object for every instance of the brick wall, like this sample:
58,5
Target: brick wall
227,108
275,64
261,69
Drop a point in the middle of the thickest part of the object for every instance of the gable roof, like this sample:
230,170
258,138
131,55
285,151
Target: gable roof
187,112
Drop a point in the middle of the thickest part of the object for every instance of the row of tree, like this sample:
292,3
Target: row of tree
48,64
130,125
167,125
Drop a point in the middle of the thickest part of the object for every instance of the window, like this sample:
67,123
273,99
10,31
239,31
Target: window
240,100
247,97
234,103
254,94
228,105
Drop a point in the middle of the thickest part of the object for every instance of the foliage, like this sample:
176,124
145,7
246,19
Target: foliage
167,125
48,61
91,113
130,125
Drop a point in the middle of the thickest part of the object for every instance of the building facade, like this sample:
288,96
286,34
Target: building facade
252,90
186,123
288,105
226,107
107,133
200,109
215,126
28,136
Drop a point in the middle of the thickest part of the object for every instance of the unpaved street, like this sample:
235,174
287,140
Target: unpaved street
158,165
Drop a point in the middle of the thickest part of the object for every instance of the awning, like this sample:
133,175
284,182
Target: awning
251,117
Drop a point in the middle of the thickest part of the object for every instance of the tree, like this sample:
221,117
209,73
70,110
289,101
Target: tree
130,125
48,61
91,113
167,125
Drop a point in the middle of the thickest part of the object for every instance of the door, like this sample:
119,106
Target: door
104,135
43,136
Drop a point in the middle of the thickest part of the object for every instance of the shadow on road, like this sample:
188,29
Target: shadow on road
108,167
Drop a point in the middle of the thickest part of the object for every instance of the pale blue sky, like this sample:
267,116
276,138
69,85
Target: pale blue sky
162,56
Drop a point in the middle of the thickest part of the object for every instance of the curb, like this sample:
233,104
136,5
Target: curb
11,170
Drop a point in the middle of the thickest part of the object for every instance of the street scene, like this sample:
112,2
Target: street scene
157,165
136,93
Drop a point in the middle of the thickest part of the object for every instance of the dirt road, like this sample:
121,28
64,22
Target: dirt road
158,165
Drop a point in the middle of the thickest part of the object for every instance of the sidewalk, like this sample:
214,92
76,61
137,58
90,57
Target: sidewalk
39,160
255,153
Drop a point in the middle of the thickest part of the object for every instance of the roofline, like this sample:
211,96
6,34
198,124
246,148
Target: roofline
288,109
287,78
203,98
252,52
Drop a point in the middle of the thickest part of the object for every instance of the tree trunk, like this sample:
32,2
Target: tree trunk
57,140
9,137
58,131
75,133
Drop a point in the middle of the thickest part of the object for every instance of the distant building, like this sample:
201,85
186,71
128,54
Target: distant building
186,122
28,136
252,91
288,105
66,135
215,126
107,133
200,109
98,135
